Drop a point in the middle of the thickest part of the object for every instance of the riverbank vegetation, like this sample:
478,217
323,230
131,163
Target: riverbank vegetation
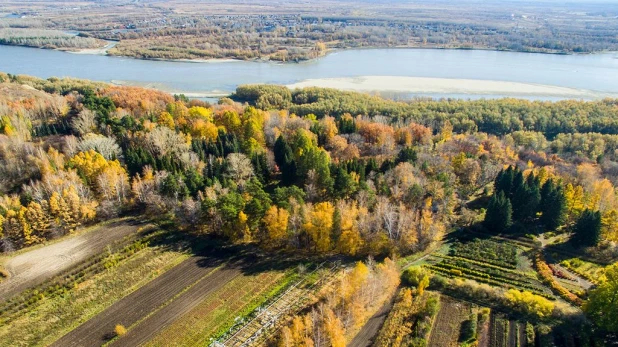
262,30
52,39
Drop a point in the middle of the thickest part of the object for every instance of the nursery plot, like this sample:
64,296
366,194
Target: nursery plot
498,331
501,254
34,267
452,314
58,313
490,262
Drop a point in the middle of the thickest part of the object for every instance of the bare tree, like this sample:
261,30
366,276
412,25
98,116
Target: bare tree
70,145
239,168
85,122
106,146
163,141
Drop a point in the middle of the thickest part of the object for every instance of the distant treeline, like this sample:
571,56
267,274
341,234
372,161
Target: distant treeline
497,116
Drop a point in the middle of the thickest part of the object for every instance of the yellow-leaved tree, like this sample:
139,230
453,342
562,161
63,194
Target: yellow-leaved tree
318,225
350,240
276,223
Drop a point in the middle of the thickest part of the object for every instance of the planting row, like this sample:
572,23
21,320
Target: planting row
500,254
547,275
410,320
490,272
55,316
219,311
502,282
481,263
61,284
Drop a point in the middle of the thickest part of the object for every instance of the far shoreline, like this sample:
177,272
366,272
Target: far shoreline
102,51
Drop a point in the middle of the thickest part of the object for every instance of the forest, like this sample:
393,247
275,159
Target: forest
322,172
263,30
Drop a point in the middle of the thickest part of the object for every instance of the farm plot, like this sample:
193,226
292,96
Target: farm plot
409,321
498,331
505,332
591,272
447,326
487,262
267,319
55,313
33,267
217,311
141,303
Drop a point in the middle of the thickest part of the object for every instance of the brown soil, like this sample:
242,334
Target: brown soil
197,275
162,318
446,328
512,333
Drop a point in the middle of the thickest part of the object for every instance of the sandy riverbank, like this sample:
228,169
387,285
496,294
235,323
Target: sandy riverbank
95,51
424,85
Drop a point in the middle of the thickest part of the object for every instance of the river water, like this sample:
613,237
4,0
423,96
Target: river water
596,72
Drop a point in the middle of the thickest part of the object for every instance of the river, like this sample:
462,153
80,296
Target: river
418,72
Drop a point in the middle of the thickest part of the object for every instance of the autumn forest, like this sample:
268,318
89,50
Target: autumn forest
503,198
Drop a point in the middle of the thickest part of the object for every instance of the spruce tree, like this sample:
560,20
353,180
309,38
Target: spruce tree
587,231
498,214
518,184
525,203
553,207
504,181
284,157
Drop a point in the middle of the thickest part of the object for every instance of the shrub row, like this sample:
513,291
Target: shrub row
510,269
581,273
62,284
490,281
488,250
546,273
497,277
493,271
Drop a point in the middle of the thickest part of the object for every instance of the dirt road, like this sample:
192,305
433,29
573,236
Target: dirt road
370,330
155,305
35,267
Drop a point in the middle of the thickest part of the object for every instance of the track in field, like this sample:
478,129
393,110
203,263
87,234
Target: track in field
34,267
194,274
370,330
